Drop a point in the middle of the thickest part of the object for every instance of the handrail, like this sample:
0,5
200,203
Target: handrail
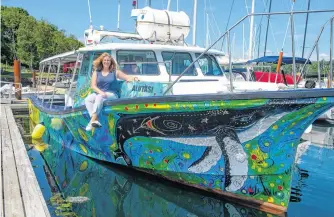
10,91
314,46
54,88
291,13
72,80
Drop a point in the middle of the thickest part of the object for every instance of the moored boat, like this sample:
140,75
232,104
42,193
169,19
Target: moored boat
192,131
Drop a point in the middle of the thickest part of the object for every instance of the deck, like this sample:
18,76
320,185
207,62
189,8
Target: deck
20,194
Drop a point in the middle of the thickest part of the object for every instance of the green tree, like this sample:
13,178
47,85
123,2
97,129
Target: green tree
11,19
26,41
30,40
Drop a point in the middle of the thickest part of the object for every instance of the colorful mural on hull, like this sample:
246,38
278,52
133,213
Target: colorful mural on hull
244,147
101,190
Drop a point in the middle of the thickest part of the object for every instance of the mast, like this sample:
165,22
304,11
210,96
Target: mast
250,48
306,23
90,16
207,31
258,42
243,41
168,5
268,19
194,22
118,13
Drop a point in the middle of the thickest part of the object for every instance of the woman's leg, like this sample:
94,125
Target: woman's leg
97,107
89,102
98,104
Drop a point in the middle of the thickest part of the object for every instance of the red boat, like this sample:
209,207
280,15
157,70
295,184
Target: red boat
271,77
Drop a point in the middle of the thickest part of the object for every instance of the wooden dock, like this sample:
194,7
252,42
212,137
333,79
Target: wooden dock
20,194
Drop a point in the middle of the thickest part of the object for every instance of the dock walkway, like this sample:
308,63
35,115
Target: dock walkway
20,194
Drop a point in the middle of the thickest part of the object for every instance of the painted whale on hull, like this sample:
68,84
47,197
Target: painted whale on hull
222,131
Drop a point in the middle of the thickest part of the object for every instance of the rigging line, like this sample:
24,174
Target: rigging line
208,21
287,27
214,19
214,32
228,22
271,29
257,35
247,11
163,5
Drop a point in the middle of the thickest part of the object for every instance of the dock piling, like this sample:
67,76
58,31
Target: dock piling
17,79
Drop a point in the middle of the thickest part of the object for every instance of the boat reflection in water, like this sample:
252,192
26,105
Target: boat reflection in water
98,189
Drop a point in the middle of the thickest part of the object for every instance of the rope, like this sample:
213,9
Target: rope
287,27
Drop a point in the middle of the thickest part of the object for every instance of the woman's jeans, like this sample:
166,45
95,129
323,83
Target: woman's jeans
94,102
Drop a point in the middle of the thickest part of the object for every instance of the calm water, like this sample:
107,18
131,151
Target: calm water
74,185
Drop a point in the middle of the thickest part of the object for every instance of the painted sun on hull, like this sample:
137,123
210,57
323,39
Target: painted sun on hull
243,149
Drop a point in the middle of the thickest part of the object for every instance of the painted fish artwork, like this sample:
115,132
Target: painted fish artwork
124,192
241,146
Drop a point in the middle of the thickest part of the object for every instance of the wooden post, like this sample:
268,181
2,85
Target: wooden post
33,78
278,68
17,79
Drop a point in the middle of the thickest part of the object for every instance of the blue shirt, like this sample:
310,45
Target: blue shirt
107,83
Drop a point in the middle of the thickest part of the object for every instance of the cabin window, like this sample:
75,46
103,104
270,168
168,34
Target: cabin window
209,65
85,64
135,62
180,61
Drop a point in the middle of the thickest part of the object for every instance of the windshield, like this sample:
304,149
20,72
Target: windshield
209,65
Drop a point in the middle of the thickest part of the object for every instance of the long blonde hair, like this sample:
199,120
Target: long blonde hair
98,66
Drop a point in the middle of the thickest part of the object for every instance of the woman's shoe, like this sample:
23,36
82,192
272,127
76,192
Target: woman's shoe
96,124
89,127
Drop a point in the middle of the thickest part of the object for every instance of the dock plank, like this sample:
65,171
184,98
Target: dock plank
13,205
33,199
1,196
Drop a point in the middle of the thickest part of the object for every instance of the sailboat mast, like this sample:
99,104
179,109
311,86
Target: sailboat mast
250,48
168,5
194,22
243,41
258,42
268,19
207,31
306,23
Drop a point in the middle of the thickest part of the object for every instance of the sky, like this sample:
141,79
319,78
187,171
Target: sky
73,17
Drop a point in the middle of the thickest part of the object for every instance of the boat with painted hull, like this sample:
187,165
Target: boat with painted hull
241,146
184,121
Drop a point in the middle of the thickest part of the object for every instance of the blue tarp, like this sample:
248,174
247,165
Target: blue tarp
274,59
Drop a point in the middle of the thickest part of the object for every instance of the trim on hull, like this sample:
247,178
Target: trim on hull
245,201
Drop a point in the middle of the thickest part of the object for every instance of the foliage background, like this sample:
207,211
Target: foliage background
30,40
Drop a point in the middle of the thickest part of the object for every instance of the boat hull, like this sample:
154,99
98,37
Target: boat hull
243,149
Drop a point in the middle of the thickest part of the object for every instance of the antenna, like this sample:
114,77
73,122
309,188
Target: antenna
90,16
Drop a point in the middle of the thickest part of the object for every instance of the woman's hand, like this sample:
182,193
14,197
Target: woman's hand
125,77
104,95
132,79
